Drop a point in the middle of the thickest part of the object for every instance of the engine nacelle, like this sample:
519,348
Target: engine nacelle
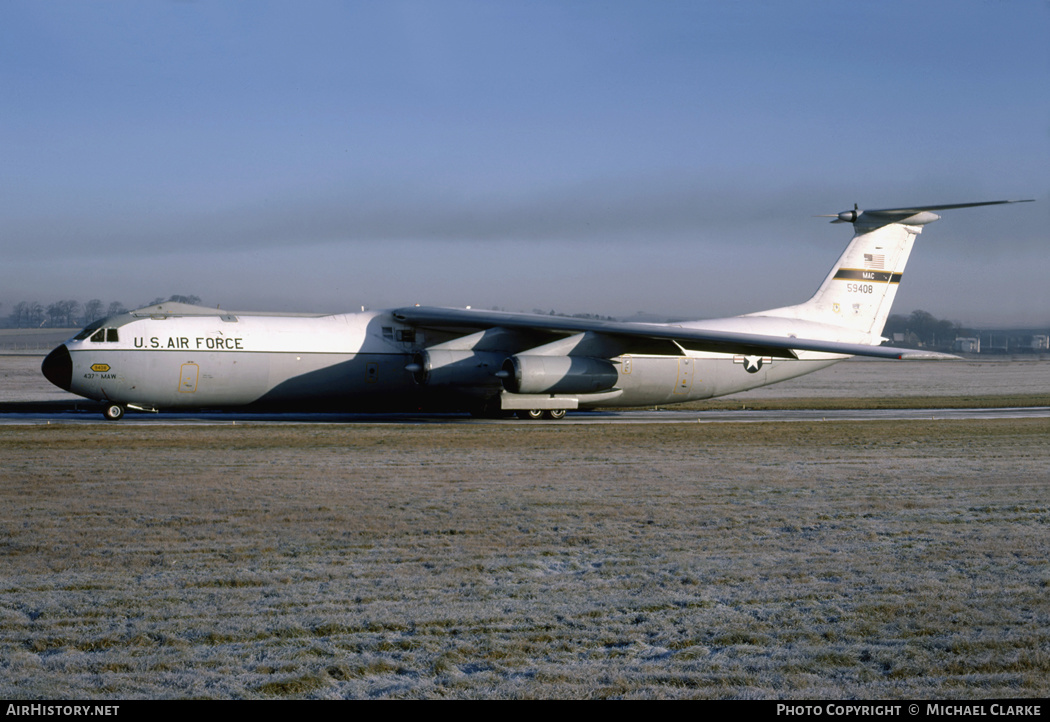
440,367
524,374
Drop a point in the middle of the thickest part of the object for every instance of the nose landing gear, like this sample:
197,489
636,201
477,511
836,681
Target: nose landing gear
113,412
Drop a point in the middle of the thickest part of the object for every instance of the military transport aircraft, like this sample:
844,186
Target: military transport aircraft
173,355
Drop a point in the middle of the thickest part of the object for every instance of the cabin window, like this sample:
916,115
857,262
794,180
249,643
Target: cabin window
111,335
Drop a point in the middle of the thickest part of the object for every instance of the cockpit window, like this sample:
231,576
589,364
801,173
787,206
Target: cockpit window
88,330
103,335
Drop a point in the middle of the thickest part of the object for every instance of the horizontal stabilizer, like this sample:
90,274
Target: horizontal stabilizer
920,355
890,215
920,209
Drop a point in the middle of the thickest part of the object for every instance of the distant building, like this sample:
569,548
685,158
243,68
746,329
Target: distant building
967,344
1040,343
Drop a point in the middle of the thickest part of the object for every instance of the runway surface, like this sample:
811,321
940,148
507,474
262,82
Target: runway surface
587,417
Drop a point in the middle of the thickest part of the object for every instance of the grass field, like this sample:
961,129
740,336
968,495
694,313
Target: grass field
856,559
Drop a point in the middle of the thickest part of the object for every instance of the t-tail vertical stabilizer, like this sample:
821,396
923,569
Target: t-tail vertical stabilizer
858,293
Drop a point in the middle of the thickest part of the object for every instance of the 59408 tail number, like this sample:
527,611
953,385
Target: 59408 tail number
859,288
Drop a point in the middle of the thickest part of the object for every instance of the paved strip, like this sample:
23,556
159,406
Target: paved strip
592,417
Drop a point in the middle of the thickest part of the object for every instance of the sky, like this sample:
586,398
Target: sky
603,157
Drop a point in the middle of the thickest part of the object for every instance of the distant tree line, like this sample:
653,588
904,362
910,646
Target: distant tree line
71,313
552,312
921,329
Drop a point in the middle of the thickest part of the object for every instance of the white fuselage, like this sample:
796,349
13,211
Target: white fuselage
234,360
356,361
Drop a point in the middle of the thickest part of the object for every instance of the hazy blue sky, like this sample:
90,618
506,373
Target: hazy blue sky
604,157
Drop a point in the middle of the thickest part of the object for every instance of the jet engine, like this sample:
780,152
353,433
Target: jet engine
457,368
525,374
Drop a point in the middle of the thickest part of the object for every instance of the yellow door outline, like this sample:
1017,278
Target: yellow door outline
685,376
188,375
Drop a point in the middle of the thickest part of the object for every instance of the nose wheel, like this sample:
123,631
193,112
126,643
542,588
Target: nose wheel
113,412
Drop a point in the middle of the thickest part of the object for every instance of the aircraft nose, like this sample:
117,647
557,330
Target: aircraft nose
58,368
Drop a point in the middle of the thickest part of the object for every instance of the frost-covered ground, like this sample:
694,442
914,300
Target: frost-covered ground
21,380
872,560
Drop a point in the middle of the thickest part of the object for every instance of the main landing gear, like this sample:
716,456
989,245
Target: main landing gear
493,409
535,414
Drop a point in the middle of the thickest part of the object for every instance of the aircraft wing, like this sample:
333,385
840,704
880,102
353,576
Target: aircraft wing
697,339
